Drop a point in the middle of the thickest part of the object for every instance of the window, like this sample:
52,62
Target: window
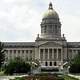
59,54
41,54
46,50
22,51
70,54
14,51
50,50
55,53
50,63
70,51
54,63
41,50
50,28
79,52
18,51
46,53
50,53
30,54
10,51
46,64
55,50
26,51
74,51
30,51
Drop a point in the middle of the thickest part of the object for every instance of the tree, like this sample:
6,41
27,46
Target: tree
17,66
75,64
2,55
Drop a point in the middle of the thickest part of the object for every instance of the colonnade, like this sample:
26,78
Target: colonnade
50,54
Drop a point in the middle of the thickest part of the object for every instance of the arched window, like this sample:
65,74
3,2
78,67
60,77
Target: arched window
50,63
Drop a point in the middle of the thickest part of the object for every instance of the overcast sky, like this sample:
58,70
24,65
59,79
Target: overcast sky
20,19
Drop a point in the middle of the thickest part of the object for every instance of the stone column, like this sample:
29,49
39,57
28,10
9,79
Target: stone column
43,54
61,55
57,53
48,54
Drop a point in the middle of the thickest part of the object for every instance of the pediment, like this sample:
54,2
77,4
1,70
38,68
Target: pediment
50,44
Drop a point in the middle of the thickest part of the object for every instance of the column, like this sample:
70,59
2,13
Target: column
72,54
43,54
8,55
28,55
48,54
57,53
25,55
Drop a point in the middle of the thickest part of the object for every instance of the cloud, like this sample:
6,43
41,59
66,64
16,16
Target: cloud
20,19
71,27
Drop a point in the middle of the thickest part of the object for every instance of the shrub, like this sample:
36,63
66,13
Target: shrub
75,68
17,66
75,65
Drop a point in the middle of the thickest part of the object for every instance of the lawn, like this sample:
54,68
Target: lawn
69,78
1,73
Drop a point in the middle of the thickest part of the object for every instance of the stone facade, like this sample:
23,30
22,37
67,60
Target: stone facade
50,48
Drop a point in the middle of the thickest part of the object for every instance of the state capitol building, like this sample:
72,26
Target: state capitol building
50,48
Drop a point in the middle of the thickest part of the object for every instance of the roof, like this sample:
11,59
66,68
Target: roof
32,44
73,44
50,13
18,44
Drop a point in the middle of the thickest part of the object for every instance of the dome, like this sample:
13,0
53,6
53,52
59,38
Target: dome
50,13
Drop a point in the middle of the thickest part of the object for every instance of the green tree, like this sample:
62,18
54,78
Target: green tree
2,55
75,64
17,66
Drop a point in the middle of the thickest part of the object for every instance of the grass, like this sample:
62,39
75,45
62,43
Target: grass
69,78
1,73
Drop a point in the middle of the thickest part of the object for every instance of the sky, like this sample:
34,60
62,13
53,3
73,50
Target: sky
20,19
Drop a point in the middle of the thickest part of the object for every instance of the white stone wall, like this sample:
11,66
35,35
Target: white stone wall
25,53
72,52
31,53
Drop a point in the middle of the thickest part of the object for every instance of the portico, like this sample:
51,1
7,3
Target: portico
50,56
